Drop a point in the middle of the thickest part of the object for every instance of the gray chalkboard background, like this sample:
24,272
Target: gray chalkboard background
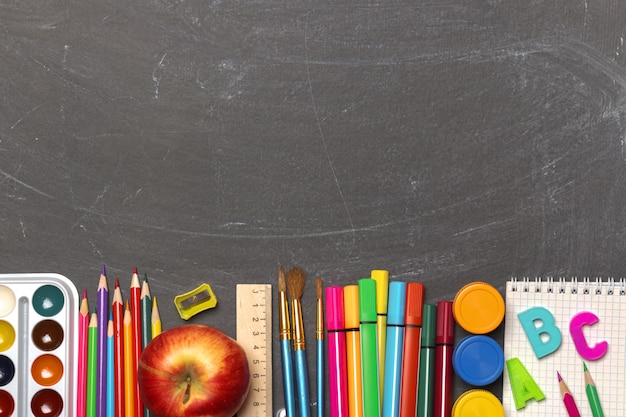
212,141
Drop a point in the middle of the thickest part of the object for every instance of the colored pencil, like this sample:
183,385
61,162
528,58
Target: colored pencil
568,398
110,403
319,335
592,394
353,350
83,341
295,286
156,318
146,312
117,308
411,349
146,318
130,369
92,364
135,309
284,329
103,315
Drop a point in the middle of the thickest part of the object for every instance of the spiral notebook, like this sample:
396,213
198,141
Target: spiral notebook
564,298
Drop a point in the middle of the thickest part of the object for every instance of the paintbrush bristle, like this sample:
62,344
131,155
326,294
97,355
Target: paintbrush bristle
295,282
282,286
318,287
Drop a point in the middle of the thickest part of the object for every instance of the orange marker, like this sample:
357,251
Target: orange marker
411,352
353,349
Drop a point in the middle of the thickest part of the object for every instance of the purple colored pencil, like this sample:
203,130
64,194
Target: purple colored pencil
103,315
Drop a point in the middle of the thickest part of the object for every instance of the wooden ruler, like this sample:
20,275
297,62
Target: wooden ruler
254,334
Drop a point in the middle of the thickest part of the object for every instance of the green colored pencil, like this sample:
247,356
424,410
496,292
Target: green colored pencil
92,364
592,394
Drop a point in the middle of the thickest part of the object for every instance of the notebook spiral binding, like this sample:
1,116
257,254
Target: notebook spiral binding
573,285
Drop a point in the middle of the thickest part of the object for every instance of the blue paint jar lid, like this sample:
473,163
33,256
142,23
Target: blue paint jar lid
478,360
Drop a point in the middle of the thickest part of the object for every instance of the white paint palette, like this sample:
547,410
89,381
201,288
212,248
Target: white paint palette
38,346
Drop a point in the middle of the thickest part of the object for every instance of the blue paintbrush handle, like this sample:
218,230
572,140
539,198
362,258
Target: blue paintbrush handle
288,381
302,378
320,378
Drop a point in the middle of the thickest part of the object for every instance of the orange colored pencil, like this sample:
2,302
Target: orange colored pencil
117,309
83,337
135,310
130,370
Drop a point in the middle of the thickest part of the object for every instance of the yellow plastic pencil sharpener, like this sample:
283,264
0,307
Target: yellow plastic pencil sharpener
193,302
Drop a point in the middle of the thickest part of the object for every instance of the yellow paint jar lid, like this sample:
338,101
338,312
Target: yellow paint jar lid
478,307
477,403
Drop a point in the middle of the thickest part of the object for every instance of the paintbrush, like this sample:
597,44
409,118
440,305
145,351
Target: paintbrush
284,332
319,334
295,285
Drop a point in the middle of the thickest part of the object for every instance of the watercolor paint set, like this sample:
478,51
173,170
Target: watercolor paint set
38,346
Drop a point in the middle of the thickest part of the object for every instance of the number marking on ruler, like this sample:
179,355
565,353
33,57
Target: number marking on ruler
254,334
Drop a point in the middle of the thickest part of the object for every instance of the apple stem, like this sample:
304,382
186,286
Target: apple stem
187,391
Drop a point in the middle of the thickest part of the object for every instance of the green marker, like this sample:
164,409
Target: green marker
592,394
369,348
426,387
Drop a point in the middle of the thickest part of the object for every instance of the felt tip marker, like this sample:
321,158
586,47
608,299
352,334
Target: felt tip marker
426,392
337,367
369,347
444,341
353,350
393,349
411,349
381,277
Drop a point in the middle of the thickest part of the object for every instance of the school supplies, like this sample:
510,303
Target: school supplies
369,350
337,367
444,344
286,351
568,398
554,325
39,320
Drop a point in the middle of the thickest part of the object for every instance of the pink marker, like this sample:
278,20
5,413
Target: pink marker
337,359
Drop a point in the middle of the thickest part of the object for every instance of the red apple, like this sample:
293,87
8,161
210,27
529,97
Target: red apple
193,371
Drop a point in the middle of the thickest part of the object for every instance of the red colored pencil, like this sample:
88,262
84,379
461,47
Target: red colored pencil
117,308
83,324
135,310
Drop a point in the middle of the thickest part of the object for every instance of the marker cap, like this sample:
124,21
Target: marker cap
351,306
478,360
429,321
477,402
478,308
367,300
414,303
334,308
397,303
382,288
444,334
